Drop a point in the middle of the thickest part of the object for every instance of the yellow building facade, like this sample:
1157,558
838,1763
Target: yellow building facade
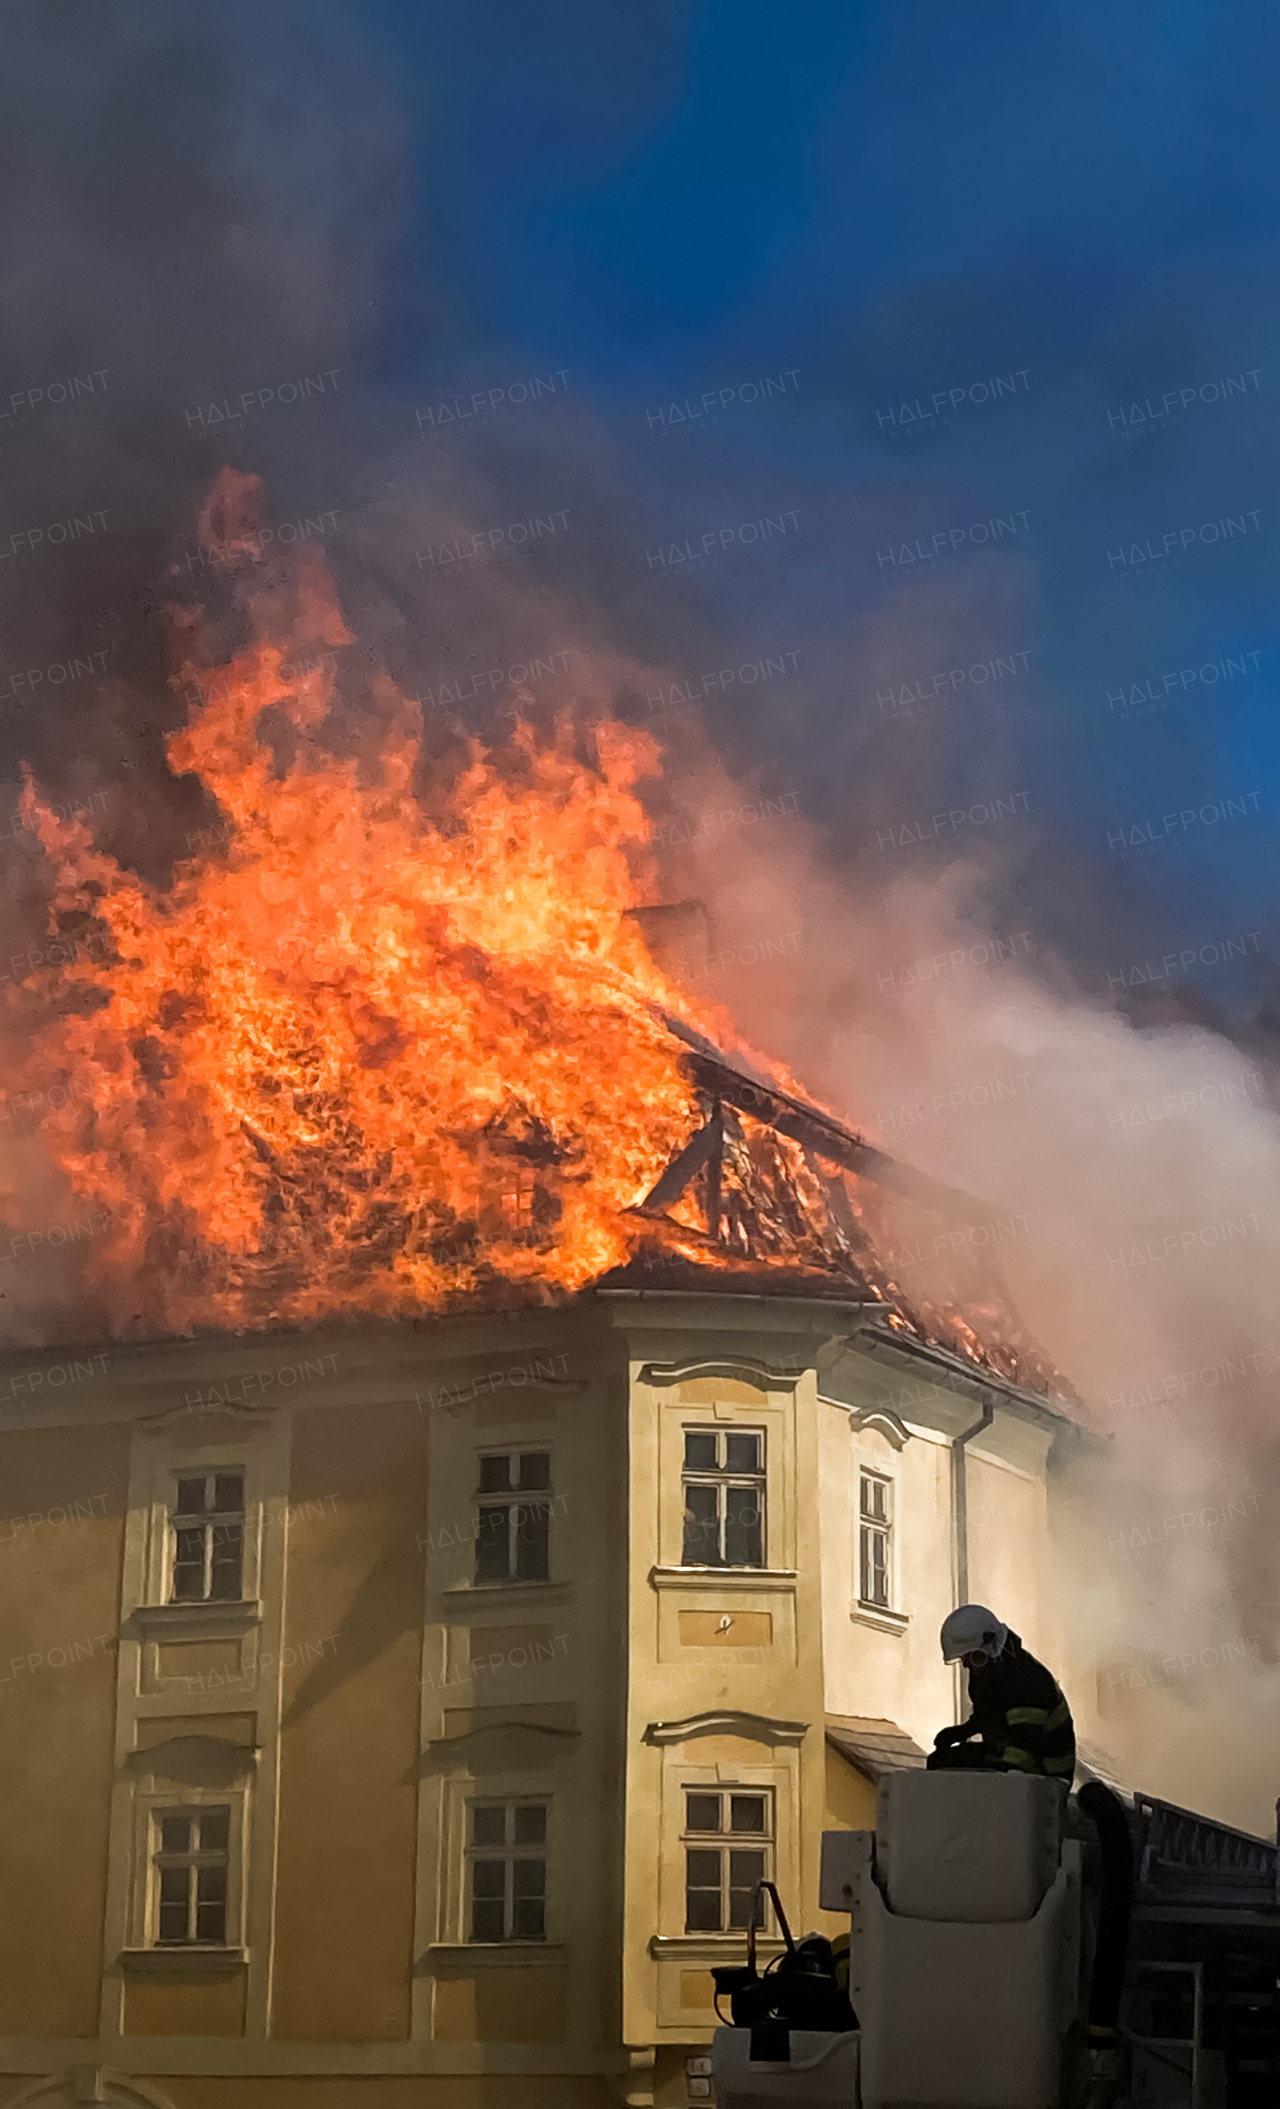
403,1715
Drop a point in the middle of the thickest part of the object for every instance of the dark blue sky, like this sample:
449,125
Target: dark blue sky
891,201
1052,231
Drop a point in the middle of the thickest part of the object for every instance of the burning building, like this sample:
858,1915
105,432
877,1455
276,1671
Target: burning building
524,1451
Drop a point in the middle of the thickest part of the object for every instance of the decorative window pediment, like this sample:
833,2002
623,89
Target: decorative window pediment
754,1728
883,1422
746,1369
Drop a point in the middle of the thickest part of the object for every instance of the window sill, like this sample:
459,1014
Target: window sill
712,1947
186,1963
472,1594
883,1620
455,1955
202,1621
724,1577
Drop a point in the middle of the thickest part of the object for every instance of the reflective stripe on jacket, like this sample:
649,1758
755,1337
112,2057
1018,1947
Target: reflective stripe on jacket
1021,1715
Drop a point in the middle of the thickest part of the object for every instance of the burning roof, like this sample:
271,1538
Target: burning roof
398,1043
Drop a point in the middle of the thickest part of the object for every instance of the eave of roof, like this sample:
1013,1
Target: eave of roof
875,1746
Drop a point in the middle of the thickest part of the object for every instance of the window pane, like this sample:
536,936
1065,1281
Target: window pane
535,1468
188,1565
703,1912
742,1453
215,1827
702,1868
528,1919
191,1497
747,1813
211,1904
211,1923
701,1527
228,1562
699,1450
528,1878
745,1871
531,1826
533,1541
488,1826
174,1882
743,1528
495,1475
874,1566
488,1878
228,1493
702,1812
492,1556
487,1921
875,1499
175,1834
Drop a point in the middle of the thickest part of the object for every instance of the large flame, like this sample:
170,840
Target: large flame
374,1048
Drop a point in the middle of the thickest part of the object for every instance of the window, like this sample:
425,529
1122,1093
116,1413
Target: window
723,1497
727,1837
191,1861
517,1199
513,1534
507,1870
208,1538
875,1533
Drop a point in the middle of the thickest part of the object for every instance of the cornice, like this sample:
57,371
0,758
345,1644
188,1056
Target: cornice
207,1620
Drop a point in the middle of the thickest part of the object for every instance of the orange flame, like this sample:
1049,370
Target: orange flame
370,1054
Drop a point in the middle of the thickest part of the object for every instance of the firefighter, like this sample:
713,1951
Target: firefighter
1017,1707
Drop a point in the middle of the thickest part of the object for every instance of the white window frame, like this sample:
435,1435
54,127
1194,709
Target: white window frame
144,1914
192,1859
509,1854
888,1529
152,1562
722,1841
453,1911
514,1496
780,1779
725,1480
210,1474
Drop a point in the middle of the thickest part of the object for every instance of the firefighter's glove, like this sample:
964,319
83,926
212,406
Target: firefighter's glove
947,1738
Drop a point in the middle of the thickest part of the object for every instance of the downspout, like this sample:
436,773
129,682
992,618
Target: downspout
960,1524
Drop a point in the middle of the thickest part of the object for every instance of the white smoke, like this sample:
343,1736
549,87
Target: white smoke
1135,1175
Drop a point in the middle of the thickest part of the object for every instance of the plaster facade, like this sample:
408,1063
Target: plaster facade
343,1715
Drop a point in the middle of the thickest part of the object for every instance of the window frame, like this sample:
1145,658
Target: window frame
722,1842
869,1526
510,1853
208,1522
166,1798
514,1499
726,1481
192,1859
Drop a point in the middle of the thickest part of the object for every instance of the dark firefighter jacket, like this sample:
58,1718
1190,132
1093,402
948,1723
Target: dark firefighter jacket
1021,1715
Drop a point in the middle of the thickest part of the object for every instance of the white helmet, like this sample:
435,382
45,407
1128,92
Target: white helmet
970,1629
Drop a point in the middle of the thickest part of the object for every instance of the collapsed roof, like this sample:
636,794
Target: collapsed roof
773,1196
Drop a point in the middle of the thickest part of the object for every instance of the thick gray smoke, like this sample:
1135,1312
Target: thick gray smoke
201,216
1123,1182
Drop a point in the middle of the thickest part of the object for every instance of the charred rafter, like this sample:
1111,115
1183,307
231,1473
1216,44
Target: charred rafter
748,1191
816,1132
